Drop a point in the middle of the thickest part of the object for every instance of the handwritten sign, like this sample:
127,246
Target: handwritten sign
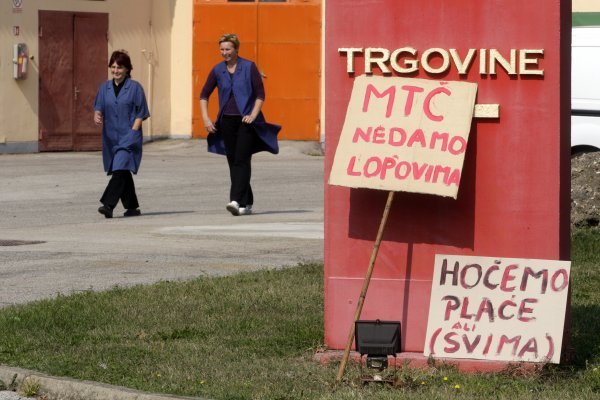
403,134
497,308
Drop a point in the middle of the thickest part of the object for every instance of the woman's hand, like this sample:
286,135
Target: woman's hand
248,119
98,118
210,127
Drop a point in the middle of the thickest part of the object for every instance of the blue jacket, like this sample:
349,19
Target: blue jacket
241,86
121,146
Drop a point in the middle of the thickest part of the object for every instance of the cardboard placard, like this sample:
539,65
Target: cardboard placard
405,134
497,308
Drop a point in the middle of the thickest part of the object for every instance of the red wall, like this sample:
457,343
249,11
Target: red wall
514,194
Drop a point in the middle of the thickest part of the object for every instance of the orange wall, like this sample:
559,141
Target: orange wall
283,39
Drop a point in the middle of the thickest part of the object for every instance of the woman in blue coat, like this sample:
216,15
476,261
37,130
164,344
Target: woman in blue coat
240,129
120,107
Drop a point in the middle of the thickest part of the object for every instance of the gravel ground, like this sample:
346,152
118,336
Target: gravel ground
585,190
8,395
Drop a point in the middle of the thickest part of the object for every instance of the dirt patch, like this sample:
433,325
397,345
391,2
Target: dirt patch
585,190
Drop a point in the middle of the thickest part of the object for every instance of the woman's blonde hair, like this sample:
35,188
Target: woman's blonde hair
232,38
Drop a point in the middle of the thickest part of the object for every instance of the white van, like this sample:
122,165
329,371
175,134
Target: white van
585,89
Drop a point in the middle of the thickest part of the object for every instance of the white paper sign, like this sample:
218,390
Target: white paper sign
405,134
497,308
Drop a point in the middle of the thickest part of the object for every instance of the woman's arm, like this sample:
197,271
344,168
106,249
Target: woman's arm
248,119
137,124
99,107
98,117
210,127
207,89
259,91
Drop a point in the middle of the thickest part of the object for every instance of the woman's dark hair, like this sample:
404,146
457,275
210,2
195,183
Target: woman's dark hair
121,58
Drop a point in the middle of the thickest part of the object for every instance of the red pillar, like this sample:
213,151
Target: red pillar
514,195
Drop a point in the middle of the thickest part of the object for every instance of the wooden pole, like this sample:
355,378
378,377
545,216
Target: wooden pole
365,287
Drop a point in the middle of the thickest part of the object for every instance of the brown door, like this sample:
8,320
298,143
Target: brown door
73,63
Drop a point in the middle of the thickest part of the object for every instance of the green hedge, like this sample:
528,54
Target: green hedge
586,19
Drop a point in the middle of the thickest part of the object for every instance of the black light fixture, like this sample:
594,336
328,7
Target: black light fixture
377,340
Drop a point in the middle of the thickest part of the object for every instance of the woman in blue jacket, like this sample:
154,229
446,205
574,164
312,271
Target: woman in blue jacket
240,129
120,107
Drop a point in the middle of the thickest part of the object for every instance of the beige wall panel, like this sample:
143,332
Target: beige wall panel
586,6
18,99
181,69
157,59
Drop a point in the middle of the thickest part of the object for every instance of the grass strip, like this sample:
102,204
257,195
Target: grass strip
253,336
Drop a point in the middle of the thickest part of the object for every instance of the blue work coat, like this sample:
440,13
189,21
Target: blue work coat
241,85
121,145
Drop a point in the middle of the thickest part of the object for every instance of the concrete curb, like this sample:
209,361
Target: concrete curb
72,389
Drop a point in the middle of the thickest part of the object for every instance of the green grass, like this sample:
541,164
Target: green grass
253,336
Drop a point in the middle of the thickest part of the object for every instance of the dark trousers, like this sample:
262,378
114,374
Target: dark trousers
239,140
121,187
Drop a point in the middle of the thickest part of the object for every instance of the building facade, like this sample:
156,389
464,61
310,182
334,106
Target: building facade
65,45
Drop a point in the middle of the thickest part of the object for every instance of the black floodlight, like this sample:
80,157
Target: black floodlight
378,340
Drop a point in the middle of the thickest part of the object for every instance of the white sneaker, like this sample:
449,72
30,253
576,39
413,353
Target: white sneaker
246,210
233,207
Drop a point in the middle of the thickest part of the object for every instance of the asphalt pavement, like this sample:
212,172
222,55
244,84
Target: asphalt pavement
53,240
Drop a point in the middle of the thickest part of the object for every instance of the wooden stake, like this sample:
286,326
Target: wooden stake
365,287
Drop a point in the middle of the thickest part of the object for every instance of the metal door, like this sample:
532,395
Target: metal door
73,62
283,39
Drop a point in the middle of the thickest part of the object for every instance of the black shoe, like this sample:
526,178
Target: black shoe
132,212
106,211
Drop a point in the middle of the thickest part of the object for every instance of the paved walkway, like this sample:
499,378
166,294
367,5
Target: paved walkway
52,239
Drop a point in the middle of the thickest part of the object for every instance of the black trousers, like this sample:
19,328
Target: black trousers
239,140
121,187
